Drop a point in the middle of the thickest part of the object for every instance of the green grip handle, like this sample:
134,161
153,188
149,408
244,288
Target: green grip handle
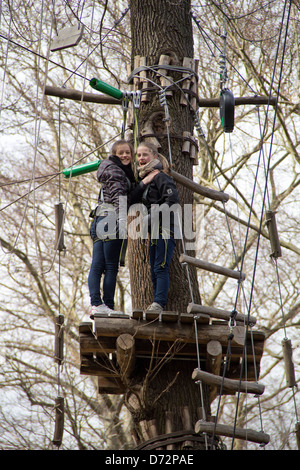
81,169
105,88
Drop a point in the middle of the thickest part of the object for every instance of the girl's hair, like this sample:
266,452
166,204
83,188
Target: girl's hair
121,142
152,147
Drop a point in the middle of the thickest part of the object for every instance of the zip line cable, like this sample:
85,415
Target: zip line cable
265,191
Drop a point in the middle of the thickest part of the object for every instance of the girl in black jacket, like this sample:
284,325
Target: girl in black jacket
159,196
108,229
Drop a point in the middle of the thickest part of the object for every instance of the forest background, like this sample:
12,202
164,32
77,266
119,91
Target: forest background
40,135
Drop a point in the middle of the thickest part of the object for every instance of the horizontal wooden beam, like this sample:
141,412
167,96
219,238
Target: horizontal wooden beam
215,268
197,188
76,95
163,332
238,101
229,385
230,431
219,313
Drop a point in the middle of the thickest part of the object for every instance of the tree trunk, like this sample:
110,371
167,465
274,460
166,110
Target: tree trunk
164,397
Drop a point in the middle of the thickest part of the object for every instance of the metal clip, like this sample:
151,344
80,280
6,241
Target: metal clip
232,320
136,98
125,100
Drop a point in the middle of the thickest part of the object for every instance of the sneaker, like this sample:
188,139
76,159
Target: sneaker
104,310
154,308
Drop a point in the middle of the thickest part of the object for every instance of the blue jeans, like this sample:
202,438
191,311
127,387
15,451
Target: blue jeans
160,254
105,261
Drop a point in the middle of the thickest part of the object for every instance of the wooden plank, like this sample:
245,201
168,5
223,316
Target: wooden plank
188,318
219,313
171,317
67,37
215,268
110,385
229,431
228,384
100,366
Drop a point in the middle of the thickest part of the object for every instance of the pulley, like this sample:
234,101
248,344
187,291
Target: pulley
227,103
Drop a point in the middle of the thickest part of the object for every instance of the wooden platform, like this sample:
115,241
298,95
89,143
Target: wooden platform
169,335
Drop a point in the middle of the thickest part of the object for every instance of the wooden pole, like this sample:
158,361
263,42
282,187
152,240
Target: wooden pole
211,267
229,431
219,313
197,188
229,385
77,95
125,346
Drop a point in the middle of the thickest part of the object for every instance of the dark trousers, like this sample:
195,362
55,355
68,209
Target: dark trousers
160,254
105,262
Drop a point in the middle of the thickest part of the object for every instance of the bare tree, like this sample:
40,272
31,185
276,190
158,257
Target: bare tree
40,135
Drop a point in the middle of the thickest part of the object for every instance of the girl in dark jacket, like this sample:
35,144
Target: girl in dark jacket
161,191
108,229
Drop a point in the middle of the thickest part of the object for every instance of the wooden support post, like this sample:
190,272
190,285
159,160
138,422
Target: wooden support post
164,80
232,386
214,356
229,431
288,362
145,97
148,131
188,63
213,364
219,313
59,421
197,188
153,430
59,339
144,429
59,230
194,86
187,426
186,146
169,427
136,80
211,267
297,431
125,346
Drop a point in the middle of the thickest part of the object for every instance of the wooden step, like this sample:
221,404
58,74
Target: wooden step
197,188
230,431
229,385
189,318
215,268
219,313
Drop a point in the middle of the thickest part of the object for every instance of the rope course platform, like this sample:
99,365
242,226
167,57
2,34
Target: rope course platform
113,347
